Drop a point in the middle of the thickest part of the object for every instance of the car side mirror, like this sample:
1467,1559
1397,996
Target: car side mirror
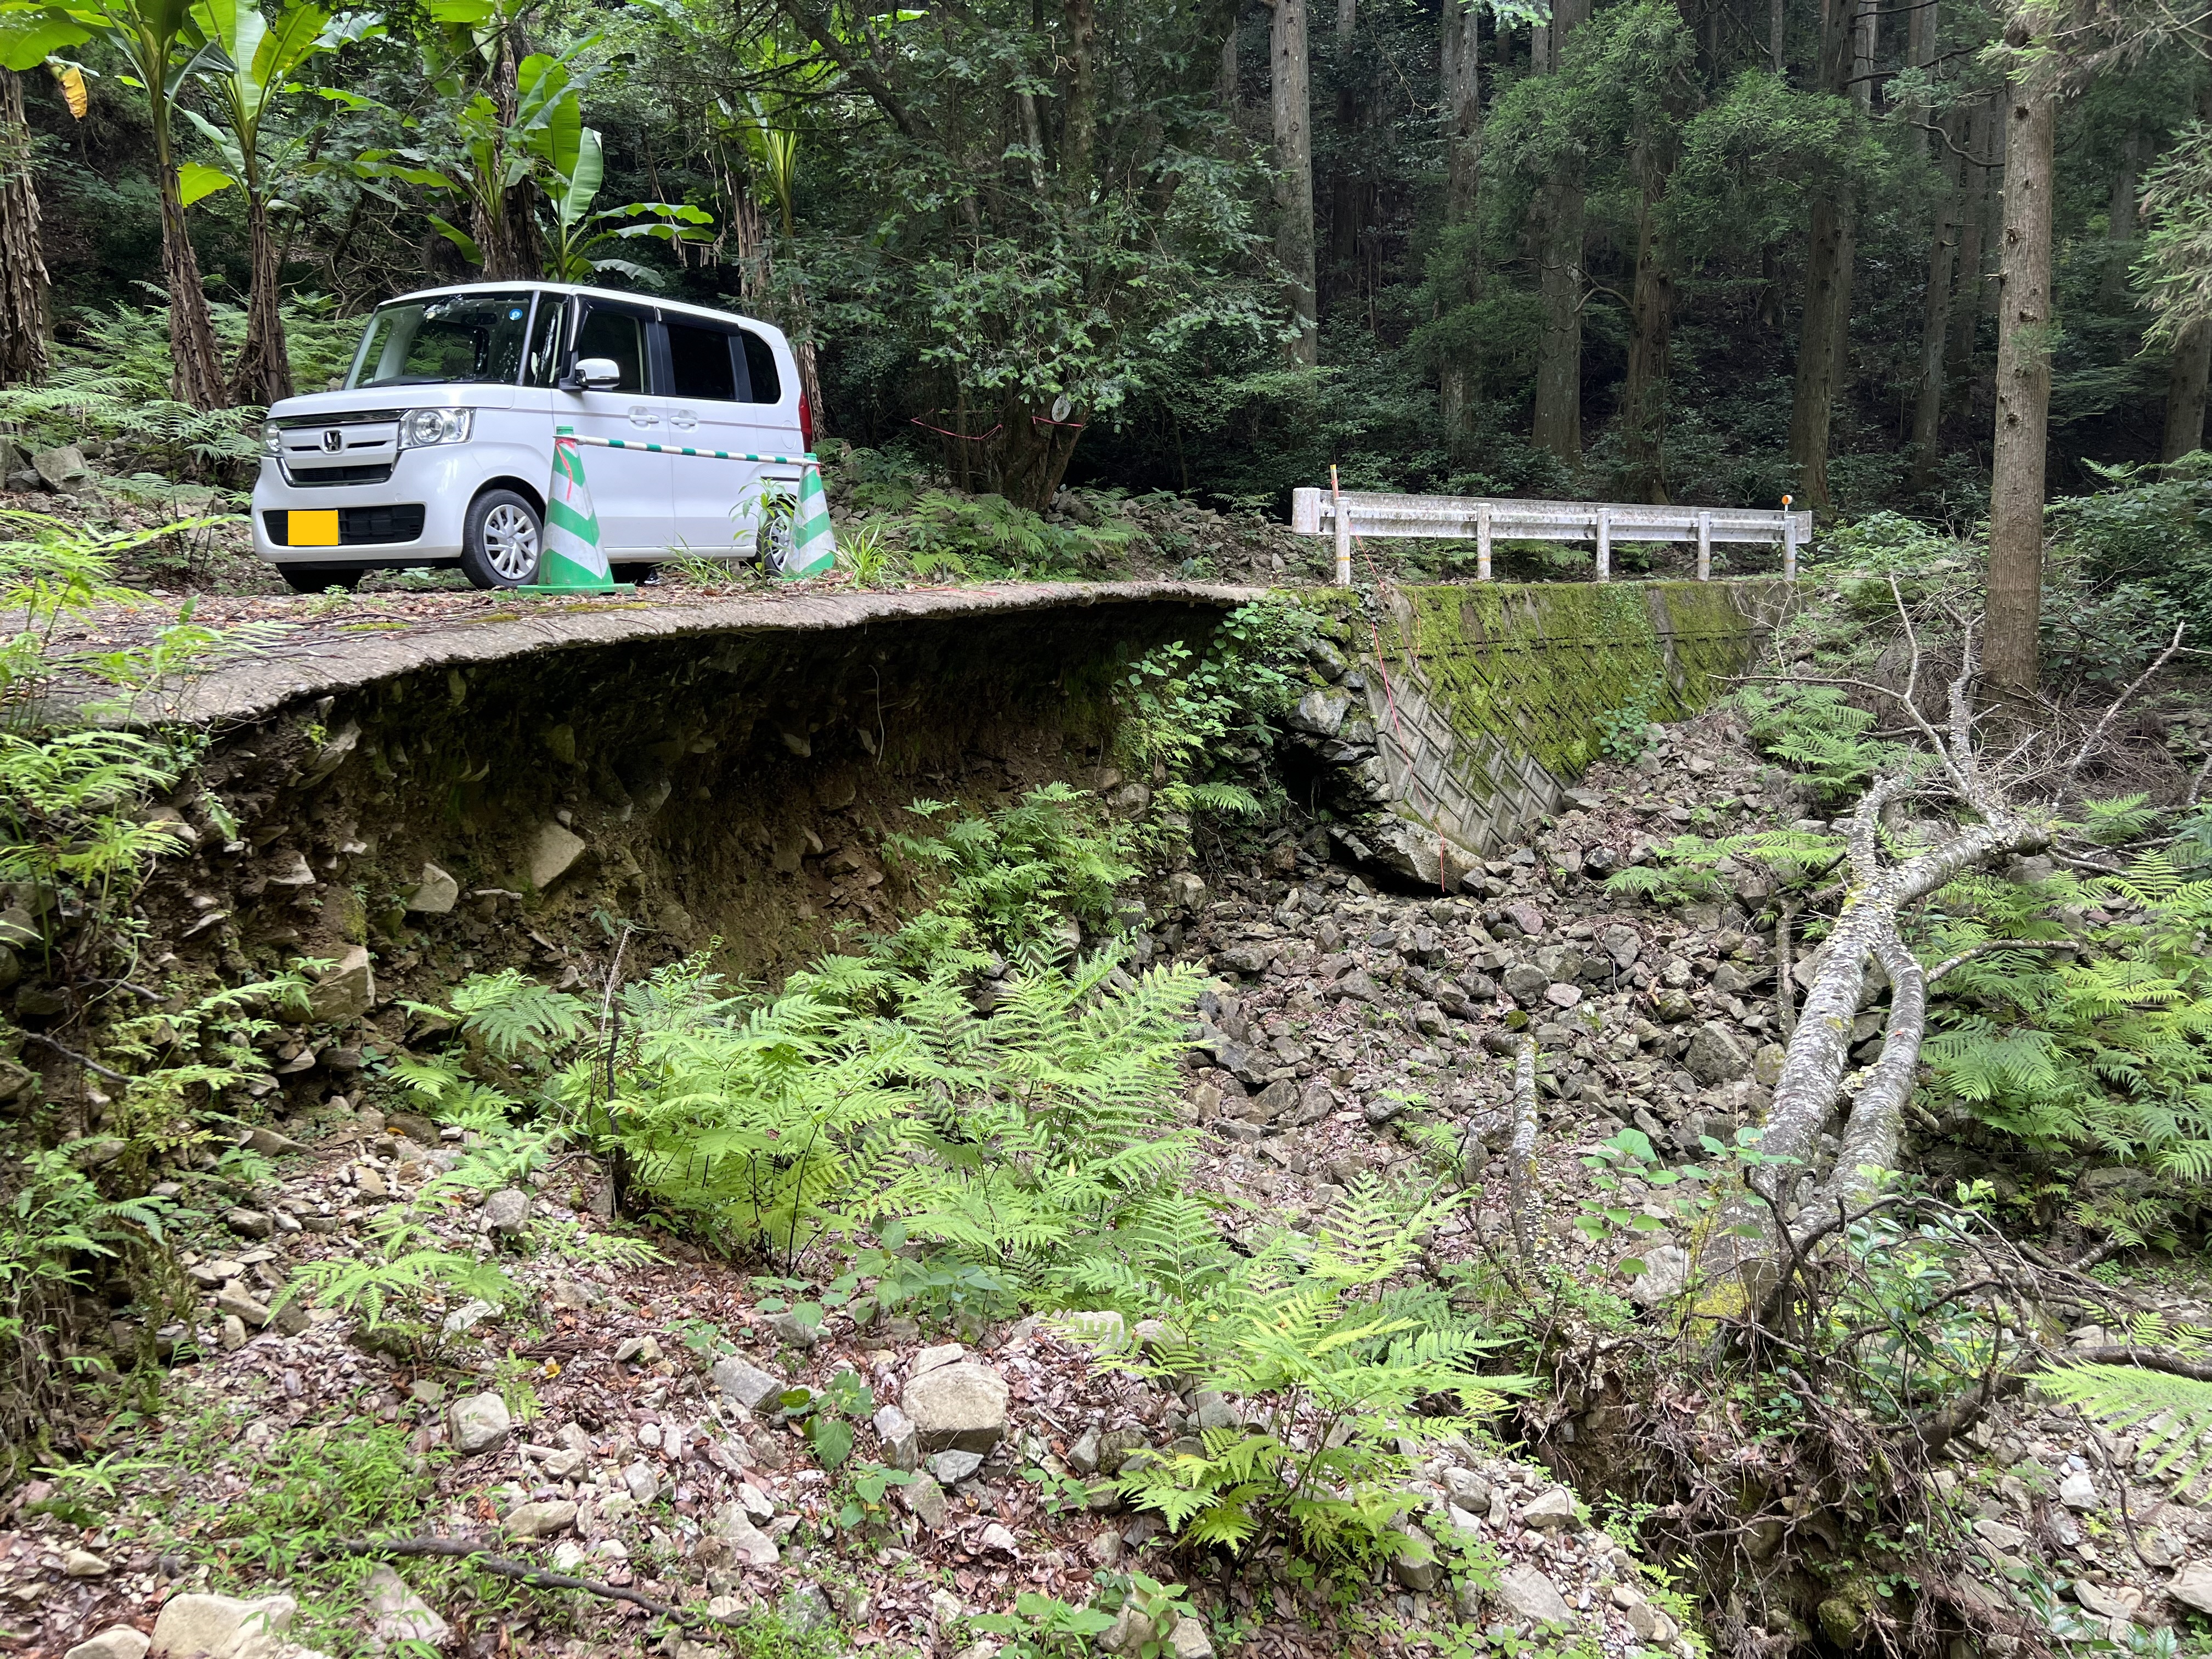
593,375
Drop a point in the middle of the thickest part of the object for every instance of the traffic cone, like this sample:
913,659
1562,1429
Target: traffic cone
813,542
573,561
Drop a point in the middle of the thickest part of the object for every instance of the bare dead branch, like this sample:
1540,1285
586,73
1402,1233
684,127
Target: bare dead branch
1987,945
479,1554
2097,732
2148,1360
1520,1158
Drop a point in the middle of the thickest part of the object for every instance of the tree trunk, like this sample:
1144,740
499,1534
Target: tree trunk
265,368
2186,375
1777,20
1976,175
1225,90
196,371
1462,100
23,281
1080,130
1561,226
1557,426
1827,313
2024,322
1823,337
1459,64
1643,397
1344,213
507,235
2120,219
1921,30
1289,96
1864,19
1936,315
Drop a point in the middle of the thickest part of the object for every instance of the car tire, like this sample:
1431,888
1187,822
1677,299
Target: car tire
635,571
502,540
319,578
777,541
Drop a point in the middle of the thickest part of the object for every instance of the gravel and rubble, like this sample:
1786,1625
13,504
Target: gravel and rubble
625,1424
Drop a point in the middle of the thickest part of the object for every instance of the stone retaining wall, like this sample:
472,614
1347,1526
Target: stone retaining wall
1469,711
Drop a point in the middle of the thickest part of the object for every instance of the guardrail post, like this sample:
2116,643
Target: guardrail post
1605,543
1343,521
1788,545
1705,547
1482,543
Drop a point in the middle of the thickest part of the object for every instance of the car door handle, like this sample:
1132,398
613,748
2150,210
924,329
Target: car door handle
684,419
640,415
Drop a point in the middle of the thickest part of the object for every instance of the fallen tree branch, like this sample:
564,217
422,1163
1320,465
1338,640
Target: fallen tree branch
1521,1157
2147,1360
1988,945
1939,1428
44,1042
1746,1242
480,1555
2097,732
1785,1005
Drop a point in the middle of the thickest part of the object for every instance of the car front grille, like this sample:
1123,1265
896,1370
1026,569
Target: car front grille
358,526
312,477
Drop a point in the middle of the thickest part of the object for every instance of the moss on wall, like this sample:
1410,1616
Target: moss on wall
1540,665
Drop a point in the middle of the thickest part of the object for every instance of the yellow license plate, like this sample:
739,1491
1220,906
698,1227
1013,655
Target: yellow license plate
315,528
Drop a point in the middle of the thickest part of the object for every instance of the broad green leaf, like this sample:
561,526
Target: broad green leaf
459,237
582,179
28,38
831,1438
195,181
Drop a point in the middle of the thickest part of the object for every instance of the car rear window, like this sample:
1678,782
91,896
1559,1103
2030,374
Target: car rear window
760,369
700,364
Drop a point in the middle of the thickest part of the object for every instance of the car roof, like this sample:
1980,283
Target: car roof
678,308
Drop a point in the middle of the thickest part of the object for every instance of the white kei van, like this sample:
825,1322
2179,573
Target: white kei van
440,448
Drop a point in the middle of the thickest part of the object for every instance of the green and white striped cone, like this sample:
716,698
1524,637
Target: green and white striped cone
813,543
574,561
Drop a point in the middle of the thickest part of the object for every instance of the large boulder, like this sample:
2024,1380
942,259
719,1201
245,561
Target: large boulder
1526,1593
2192,1586
552,852
346,989
478,1424
395,1613
211,1626
745,1382
751,1546
1717,1055
959,1408
435,892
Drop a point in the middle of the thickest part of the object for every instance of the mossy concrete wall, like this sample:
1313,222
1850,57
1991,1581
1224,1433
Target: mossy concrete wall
1473,709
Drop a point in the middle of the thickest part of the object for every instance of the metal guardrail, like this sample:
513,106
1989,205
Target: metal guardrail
1351,513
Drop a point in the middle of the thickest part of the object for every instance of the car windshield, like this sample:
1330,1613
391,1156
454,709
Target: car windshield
462,338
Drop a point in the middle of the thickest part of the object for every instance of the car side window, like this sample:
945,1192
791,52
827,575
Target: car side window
760,369
541,366
619,335
700,364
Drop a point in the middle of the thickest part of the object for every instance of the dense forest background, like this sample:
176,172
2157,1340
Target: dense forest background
1713,251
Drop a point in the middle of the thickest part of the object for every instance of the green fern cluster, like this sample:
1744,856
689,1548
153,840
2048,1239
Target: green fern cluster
2107,1045
1189,716
1690,867
1009,880
1817,729
1341,1360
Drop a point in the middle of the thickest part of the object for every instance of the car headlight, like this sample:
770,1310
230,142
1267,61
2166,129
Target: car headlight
272,440
419,428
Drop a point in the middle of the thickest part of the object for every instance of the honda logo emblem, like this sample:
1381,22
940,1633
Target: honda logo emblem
333,440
